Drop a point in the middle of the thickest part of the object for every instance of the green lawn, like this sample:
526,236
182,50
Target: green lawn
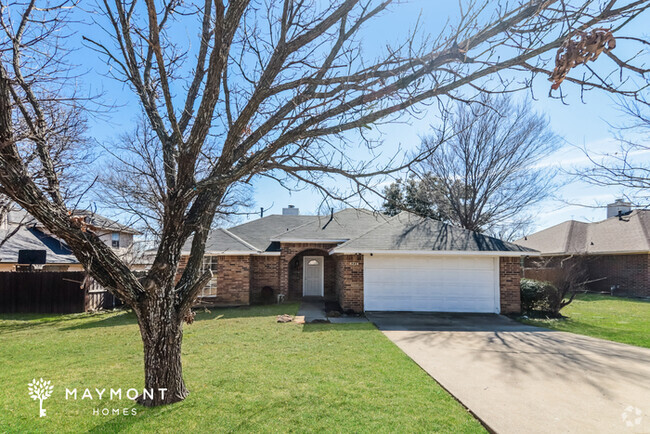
614,318
245,373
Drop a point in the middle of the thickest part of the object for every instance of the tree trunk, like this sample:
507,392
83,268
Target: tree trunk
162,336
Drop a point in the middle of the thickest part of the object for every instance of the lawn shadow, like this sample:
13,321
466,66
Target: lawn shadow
349,327
595,297
17,322
121,319
252,311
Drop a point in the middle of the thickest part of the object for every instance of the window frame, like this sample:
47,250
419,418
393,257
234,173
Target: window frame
210,289
115,240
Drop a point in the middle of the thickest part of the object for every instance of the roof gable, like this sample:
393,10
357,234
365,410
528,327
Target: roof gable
338,227
259,232
408,232
628,234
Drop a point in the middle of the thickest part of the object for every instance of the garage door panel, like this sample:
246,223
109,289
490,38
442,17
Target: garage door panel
439,284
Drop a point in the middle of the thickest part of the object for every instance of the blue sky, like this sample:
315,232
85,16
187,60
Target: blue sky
579,123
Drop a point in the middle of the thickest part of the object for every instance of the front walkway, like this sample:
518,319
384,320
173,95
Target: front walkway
519,378
314,311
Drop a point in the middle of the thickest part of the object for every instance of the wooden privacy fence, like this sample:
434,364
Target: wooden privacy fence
51,292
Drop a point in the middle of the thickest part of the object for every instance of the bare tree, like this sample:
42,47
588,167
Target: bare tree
569,276
482,172
132,182
43,122
279,86
626,166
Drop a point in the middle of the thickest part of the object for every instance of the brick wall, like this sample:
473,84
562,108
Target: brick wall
631,273
349,281
265,271
509,279
288,253
233,280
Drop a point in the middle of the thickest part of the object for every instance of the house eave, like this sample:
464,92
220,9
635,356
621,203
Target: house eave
229,253
432,252
307,240
617,252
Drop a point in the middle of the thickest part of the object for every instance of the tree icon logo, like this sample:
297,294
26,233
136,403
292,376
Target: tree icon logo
40,390
632,416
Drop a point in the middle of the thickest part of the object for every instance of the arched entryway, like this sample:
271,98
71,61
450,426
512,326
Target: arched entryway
309,271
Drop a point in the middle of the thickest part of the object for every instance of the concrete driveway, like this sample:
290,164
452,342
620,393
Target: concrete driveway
518,378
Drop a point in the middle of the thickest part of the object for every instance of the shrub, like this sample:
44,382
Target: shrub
540,297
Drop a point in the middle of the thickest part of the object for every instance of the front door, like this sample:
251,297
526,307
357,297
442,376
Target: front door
312,276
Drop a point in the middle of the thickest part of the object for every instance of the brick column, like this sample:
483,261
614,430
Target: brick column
233,280
509,280
349,281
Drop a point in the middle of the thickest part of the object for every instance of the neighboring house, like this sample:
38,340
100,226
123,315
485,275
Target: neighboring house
25,233
616,250
365,261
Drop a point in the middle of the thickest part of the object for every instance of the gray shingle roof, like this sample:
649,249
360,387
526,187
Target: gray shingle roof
613,235
222,241
259,232
359,230
408,232
33,239
343,225
20,216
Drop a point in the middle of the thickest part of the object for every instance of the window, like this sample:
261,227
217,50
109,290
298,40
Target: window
313,262
115,240
210,263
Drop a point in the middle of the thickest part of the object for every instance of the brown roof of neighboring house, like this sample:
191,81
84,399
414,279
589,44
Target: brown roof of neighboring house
627,234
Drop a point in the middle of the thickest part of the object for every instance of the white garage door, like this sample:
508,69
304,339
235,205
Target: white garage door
431,283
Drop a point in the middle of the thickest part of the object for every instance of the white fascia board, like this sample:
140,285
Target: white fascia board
236,253
241,240
431,252
306,240
618,252
230,253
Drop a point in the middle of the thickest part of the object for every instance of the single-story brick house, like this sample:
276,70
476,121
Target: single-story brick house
616,250
365,261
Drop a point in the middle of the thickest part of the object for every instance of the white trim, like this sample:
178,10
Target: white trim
241,240
228,253
618,252
235,253
497,285
432,252
305,260
306,240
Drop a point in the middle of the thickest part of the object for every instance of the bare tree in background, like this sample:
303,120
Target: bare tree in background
133,182
49,131
482,172
279,87
627,166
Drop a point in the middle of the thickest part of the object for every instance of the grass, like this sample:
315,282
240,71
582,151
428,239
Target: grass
614,318
245,373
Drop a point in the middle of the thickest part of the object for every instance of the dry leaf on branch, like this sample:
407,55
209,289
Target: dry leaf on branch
579,48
